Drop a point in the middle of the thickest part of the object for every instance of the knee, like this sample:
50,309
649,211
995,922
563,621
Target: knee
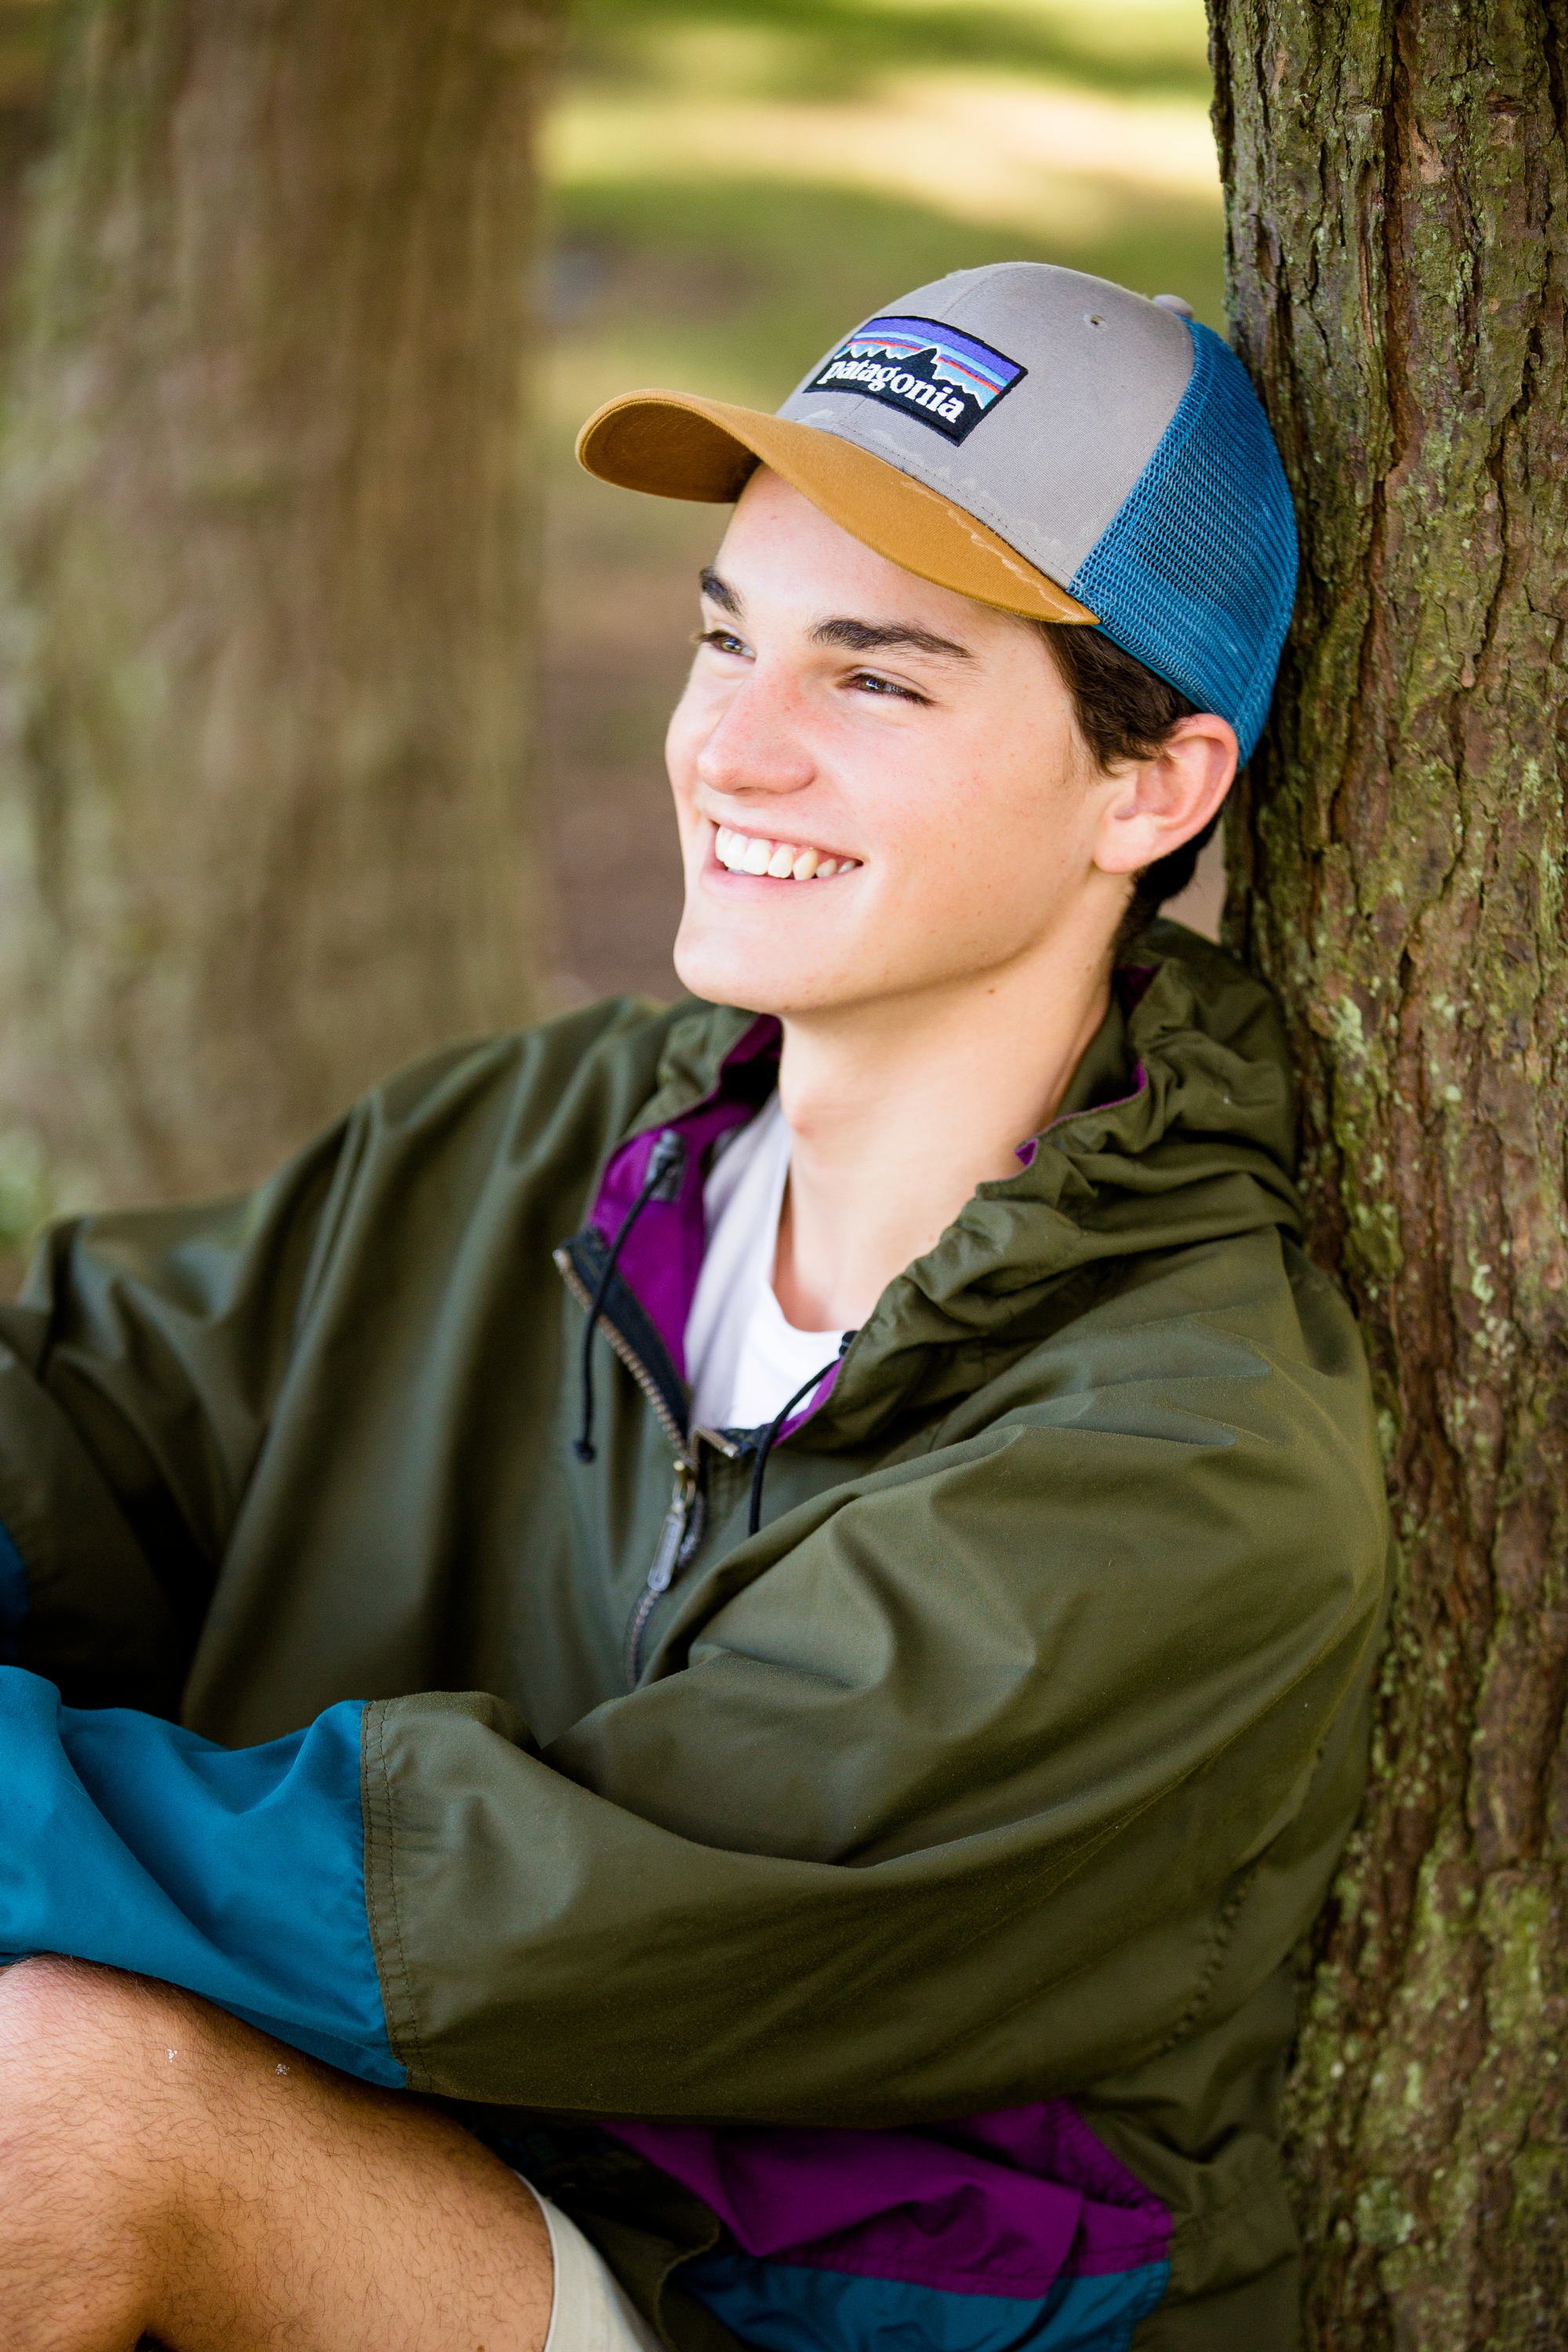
52,2004
76,2192
103,2086
76,2045
51,1993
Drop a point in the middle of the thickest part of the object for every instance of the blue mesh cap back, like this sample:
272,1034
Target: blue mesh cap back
1197,574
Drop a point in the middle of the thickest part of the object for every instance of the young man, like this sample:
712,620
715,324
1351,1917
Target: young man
811,1732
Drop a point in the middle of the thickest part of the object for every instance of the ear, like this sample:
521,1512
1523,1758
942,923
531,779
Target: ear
1158,804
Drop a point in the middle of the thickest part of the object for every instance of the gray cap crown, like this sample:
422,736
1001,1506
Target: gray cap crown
1097,375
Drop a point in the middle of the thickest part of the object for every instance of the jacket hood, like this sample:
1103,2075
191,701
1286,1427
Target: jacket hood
1178,1129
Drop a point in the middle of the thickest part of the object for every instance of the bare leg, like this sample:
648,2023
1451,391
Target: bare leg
166,2171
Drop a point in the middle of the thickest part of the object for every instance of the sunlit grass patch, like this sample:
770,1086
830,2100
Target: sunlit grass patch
812,47
993,152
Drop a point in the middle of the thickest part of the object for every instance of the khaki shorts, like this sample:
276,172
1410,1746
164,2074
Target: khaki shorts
591,2313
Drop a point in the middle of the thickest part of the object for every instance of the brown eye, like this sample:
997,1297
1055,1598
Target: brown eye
866,681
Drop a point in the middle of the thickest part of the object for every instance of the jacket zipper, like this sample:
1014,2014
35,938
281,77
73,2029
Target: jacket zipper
628,1356
671,1541
678,1520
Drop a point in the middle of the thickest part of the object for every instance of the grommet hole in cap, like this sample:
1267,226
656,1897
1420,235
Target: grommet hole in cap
1092,318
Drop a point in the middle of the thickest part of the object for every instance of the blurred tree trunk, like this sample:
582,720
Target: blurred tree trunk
1397,196
264,596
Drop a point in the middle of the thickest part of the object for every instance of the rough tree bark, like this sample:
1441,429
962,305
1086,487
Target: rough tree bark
1397,192
265,599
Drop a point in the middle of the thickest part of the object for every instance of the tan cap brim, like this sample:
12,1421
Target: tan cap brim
677,445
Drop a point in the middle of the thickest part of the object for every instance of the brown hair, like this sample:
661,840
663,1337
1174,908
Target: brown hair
1125,712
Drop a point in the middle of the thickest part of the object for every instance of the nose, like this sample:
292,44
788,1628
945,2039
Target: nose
757,743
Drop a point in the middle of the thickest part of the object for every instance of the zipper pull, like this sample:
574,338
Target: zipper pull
672,1535
666,1559
702,1435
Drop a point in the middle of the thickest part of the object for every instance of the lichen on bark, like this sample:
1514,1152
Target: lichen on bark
1396,182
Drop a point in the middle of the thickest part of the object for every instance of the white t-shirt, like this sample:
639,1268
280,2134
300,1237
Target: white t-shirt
743,1359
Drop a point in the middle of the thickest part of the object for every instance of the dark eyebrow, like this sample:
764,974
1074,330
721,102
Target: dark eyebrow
855,636
718,591
874,636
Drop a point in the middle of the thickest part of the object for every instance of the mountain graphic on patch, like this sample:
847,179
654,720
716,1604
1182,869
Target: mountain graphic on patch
946,380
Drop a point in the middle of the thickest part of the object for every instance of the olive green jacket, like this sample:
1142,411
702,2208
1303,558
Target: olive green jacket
1006,1762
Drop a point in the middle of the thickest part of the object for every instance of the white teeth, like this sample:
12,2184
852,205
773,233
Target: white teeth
744,852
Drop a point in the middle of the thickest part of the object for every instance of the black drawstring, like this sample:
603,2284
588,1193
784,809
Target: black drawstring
770,1436
666,1162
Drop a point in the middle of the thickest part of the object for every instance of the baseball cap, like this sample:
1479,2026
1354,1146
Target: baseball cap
1036,438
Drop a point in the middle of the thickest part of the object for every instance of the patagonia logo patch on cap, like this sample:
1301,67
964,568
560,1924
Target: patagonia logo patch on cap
946,379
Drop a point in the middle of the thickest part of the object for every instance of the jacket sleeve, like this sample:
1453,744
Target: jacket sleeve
237,1873
141,1367
137,1371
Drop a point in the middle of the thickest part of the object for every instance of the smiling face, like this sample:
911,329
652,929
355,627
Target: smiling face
881,787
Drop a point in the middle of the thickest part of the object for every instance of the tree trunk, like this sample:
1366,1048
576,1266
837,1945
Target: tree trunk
1397,196
265,591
